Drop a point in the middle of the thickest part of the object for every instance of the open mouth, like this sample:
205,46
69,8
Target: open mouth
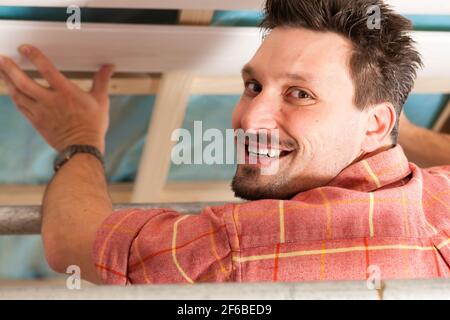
264,154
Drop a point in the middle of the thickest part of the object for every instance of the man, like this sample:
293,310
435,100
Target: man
345,199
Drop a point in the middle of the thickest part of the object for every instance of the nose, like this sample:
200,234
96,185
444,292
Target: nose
261,113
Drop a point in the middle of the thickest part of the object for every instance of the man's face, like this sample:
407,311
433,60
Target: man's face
299,83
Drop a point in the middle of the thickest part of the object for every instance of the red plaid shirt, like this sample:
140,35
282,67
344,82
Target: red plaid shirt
382,212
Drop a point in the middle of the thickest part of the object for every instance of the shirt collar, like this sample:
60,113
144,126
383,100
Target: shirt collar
375,172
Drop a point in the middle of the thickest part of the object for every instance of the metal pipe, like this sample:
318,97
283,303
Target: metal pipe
392,289
26,220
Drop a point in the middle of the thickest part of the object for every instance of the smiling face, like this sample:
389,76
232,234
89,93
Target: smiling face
299,83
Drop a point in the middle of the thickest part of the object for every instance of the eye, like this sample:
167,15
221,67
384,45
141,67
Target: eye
253,88
299,94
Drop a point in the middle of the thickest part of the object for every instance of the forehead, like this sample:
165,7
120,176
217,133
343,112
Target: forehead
297,50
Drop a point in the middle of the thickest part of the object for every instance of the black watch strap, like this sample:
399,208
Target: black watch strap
68,153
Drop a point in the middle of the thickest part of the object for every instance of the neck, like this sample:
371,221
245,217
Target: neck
366,155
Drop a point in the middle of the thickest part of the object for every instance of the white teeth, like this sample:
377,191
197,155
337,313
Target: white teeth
273,153
252,149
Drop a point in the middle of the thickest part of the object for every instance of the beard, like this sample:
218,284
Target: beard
249,184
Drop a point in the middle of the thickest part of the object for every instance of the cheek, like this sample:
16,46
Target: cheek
354,124
303,124
316,132
345,136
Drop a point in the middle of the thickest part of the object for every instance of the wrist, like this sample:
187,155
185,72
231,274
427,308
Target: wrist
81,136
68,153
96,143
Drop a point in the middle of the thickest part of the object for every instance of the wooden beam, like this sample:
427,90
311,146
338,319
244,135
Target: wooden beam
197,191
178,191
136,84
195,17
218,85
130,84
443,120
168,115
32,194
145,84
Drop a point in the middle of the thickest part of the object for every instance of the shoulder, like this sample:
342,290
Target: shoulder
436,196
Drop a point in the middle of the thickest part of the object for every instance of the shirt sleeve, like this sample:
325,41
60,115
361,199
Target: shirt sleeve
438,179
136,246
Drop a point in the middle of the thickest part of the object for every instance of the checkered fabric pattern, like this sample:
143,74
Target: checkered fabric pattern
381,212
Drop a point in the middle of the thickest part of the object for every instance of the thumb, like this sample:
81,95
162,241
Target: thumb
101,80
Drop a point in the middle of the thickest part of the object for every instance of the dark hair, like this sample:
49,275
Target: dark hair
384,62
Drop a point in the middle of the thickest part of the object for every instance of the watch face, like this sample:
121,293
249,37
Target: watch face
66,155
63,157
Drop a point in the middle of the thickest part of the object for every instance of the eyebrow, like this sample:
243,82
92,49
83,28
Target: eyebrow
249,70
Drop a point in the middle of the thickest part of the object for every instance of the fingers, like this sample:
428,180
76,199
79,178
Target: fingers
101,81
45,67
24,103
20,79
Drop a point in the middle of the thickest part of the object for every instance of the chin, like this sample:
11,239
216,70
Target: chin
248,184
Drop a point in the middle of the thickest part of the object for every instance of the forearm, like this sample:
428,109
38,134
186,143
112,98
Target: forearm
424,147
76,201
75,204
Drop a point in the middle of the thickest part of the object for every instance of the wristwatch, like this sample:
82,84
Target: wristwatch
68,153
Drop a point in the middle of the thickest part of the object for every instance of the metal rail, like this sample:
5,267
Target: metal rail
26,220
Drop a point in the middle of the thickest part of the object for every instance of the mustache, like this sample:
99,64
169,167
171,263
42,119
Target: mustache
265,137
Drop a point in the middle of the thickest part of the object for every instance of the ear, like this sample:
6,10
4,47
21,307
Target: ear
380,123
